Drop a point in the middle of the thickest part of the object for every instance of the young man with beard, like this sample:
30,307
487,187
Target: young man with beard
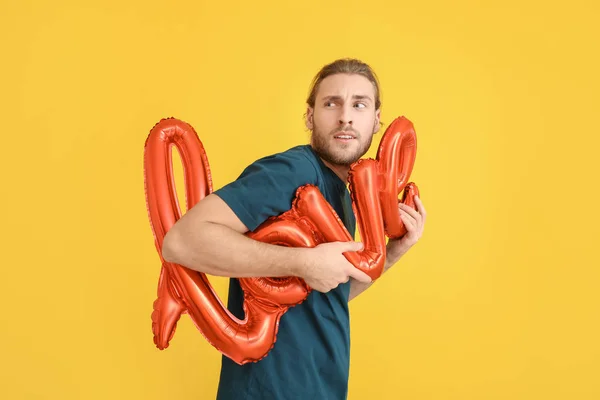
311,357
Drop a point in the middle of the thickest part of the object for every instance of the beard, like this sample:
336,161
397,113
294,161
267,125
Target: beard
340,153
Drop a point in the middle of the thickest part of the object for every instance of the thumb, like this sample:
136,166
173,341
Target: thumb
352,246
359,275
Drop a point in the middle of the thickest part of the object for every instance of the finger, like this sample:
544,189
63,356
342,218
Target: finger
409,223
408,218
351,246
420,206
411,211
359,275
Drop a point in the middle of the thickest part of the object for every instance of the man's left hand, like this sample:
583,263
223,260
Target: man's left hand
414,221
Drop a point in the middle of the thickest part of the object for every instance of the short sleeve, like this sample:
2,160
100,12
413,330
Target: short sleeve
268,186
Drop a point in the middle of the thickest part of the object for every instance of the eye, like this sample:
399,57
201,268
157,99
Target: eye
360,105
329,104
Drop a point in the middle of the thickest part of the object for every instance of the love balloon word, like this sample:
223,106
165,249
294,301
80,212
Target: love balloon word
374,187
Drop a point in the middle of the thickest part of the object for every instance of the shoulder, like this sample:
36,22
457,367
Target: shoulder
301,156
268,186
297,164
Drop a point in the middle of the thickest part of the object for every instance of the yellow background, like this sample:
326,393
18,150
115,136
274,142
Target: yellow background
497,301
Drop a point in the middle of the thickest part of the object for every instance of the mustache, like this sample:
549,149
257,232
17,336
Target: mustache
347,128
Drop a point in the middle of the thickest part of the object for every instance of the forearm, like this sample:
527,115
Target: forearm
357,288
217,250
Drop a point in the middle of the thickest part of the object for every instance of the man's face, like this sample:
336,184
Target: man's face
344,118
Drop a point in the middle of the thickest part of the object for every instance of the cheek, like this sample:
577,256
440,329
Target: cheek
363,125
323,123
369,125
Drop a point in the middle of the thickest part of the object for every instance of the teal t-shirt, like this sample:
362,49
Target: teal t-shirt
311,357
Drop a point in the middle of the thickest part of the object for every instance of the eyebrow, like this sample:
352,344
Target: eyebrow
355,97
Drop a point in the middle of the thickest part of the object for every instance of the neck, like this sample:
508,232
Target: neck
340,170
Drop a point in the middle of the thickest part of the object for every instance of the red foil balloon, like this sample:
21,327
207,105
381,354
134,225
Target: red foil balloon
374,186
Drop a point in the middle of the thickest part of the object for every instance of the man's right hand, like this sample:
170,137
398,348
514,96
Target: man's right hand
325,267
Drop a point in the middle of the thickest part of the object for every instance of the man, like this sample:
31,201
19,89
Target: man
310,359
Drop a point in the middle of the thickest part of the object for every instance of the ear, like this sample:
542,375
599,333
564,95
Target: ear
376,125
309,118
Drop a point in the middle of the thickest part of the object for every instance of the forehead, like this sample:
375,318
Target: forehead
346,85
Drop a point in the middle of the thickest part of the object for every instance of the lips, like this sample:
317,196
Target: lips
345,135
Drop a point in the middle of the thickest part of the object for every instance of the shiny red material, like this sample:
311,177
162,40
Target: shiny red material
374,187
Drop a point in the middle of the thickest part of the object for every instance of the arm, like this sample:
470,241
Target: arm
210,238
414,221
357,288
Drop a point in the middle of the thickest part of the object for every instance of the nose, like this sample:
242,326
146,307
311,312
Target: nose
345,117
